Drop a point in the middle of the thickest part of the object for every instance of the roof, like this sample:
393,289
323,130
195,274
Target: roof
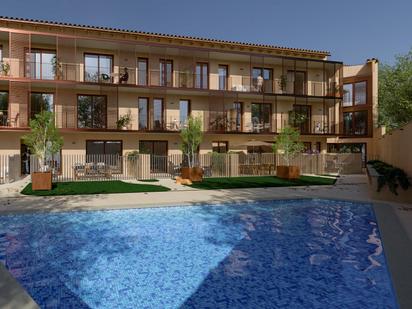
168,36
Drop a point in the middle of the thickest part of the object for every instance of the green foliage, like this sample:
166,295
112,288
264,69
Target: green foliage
124,120
4,68
192,136
297,118
391,176
44,139
288,144
395,92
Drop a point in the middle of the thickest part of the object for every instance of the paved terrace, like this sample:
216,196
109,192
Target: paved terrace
395,220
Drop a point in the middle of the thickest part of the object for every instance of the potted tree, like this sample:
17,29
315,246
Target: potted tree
288,146
124,121
191,136
43,141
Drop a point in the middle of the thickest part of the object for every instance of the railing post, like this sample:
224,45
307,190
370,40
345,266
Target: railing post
234,164
144,166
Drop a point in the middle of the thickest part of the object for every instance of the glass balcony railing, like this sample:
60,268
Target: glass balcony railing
175,79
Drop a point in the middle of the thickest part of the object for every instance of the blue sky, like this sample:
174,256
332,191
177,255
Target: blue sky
351,30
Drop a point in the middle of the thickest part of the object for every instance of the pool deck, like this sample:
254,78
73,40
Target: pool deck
395,220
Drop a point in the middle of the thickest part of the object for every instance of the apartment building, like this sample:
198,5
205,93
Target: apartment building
92,77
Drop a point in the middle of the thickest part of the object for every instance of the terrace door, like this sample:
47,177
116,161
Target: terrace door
158,155
304,112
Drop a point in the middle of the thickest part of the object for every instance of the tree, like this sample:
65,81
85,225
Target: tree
191,136
395,92
44,139
288,144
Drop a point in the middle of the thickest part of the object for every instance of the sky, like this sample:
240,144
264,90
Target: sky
352,30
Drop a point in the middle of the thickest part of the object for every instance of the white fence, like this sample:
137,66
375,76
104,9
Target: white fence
9,168
144,166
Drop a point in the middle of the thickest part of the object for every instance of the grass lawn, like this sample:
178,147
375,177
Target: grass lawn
260,182
94,187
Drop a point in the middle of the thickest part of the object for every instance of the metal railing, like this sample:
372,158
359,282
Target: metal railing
145,166
9,168
179,78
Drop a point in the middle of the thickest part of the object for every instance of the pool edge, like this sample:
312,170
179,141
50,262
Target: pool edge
12,294
397,248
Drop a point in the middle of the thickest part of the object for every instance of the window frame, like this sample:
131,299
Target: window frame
4,122
226,79
77,112
30,116
219,146
28,74
163,73
201,75
99,78
147,114
354,122
352,84
146,60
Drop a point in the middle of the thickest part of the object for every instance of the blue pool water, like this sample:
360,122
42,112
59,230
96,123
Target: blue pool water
282,254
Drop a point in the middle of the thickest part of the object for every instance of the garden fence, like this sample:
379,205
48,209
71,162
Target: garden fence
144,166
9,168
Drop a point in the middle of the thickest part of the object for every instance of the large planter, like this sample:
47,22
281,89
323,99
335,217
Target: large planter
195,174
41,181
288,172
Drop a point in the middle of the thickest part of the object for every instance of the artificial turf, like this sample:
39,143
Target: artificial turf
94,187
260,182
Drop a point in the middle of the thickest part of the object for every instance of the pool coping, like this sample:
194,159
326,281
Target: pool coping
397,245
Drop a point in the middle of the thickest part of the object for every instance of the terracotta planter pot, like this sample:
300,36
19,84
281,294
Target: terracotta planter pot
195,174
288,172
41,181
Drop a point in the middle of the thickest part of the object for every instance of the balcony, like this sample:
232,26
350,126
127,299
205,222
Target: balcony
132,76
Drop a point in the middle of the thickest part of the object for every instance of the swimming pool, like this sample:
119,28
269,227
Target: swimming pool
271,254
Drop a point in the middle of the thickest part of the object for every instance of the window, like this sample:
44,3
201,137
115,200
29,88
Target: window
355,123
298,79
184,111
4,108
158,114
202,75
104,148
166,73
307,147
262,79
354,94
91,111
301,118
234,116
142,71
261,117
40,102
158,151
223,76
220,147
360,93
103,152
98,68
318,147
347,94
40,64
143,113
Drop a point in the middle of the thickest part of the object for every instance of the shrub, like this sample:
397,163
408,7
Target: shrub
391,176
